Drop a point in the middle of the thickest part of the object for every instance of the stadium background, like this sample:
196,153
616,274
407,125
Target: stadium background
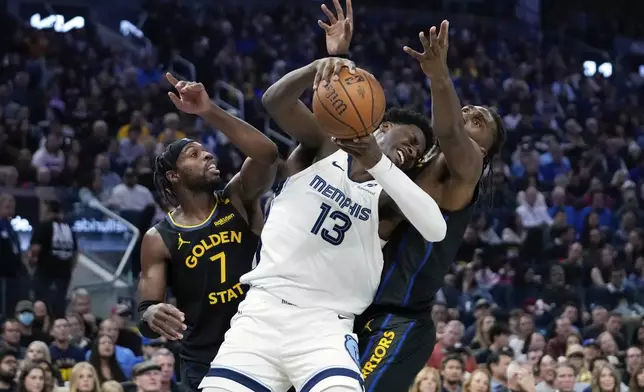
508,54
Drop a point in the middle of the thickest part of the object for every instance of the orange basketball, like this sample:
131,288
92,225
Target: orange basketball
352,106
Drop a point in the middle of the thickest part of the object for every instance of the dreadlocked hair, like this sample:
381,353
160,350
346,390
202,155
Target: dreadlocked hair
161,166
487,184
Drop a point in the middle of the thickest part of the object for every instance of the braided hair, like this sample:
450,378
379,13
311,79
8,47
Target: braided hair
165,162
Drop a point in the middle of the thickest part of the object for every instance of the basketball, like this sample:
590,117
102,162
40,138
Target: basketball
350,107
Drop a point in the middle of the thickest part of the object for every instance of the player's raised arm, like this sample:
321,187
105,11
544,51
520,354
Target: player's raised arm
417,206
258,172
282,99
157,318
463,155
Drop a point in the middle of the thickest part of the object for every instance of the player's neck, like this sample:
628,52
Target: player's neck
358,173
198,205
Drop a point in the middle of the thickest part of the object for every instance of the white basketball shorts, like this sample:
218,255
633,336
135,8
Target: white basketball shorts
272,344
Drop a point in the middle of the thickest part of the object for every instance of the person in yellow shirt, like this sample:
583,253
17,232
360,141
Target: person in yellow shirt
171,130
136,121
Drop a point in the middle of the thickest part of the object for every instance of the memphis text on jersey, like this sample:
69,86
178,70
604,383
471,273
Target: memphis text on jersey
206,251
344,202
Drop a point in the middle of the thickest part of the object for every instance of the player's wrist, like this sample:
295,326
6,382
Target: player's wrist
383,165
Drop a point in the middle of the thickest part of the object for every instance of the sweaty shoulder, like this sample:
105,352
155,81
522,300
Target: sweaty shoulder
153,248
450,192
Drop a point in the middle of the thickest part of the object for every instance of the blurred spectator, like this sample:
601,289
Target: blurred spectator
37,351
128,336
8,369
30,331
11,267
479,381
11,337
452,335
84,378
166,361
123,356
31,379
147,376
53,252
427,380
102,358
77,331
130,195
452,372
63,354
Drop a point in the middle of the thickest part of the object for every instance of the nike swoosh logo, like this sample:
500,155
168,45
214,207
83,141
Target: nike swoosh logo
335,163
343,318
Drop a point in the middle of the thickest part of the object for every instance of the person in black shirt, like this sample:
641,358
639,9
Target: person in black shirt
53,251
8,369
11,267
188,251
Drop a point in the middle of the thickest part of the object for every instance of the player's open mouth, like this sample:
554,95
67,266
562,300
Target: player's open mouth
401,157
212,168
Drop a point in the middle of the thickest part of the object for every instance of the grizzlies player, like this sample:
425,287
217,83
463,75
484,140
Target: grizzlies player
320,257
396,332
207,242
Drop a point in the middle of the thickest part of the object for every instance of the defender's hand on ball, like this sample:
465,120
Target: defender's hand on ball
192,98
328,69
364,149
166,320
339,30
433,60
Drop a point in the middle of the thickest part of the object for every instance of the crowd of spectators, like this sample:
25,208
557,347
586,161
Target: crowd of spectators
548,284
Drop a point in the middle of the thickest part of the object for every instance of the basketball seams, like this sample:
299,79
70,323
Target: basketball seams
331,114
373,102
354,108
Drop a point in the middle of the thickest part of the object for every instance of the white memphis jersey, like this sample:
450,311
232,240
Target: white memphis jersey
320,245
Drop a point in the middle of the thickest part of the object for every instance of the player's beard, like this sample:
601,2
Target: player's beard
205,185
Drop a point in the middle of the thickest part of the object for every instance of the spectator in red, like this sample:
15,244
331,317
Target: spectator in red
453,334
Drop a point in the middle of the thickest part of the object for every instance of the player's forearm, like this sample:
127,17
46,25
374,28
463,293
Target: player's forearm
462,155
286,92
244,136
417,206
447,116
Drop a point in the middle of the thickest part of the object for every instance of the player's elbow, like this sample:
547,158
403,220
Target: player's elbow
437,231
271,99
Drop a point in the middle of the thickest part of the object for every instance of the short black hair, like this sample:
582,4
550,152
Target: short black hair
410,117
497,330
453,357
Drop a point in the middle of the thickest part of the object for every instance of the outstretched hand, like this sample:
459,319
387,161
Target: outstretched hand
192,97
433,60
364,149
339,31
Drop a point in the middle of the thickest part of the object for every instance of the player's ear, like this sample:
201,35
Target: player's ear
385,126
172,176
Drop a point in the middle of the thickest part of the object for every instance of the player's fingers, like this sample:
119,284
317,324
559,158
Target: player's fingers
424,41
174,312
175,100
171,79
338,9
164,329
348,27
324,26
337,67
352,67
443,34
327,72
329,14
433,38
412,52
180,85
349,10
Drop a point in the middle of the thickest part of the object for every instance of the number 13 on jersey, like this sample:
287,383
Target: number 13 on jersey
341,224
